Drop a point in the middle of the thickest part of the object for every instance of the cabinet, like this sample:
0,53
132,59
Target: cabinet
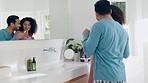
80,79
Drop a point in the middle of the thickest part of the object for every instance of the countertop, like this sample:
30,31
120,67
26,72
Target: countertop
58,73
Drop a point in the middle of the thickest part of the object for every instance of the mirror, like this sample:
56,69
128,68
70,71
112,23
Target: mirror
69,54
38,9
46,12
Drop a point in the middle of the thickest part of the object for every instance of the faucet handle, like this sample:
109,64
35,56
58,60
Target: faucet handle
50,49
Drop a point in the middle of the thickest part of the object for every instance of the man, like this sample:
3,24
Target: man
108,43
13,25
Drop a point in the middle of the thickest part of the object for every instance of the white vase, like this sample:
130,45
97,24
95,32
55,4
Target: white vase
77,57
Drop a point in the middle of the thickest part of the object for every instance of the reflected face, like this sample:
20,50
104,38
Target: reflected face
26,25
17,24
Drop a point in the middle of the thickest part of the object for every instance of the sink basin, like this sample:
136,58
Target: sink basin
27,76
50,71
5,72
65,66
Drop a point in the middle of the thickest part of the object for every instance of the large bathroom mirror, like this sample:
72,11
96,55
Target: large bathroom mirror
47,13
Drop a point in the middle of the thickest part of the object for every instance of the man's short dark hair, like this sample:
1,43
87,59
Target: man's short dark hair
12,19
102,7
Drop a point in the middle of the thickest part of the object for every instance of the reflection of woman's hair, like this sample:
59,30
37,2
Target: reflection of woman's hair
117,14
33,25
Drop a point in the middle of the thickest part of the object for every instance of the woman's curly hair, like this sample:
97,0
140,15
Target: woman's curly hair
33,24
118,15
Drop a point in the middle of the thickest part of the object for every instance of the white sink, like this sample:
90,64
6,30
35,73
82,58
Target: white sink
5,72
50,69
65,66
27,76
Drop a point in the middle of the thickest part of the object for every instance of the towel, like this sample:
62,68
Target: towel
90,80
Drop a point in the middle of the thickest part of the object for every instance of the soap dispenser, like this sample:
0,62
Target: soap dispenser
29,64
33,64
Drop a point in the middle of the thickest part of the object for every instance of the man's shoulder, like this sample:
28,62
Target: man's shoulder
2,30
99,24
2,33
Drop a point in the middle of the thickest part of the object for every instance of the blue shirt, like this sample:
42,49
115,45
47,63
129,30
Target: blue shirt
109,43
5,35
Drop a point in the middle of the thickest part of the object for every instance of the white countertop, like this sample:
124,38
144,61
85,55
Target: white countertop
53,74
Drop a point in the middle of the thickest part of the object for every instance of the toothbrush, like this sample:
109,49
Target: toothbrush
25,31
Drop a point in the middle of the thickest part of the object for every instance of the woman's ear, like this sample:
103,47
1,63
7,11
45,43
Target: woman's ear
110,11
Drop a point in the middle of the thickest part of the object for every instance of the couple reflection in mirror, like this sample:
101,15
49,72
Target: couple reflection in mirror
23,29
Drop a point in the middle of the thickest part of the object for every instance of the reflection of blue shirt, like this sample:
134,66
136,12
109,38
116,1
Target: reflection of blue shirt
108,42
5,35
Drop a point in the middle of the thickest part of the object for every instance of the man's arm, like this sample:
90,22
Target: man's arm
91,40
3,37
126,50
15,38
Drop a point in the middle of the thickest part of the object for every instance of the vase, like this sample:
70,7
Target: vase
77,57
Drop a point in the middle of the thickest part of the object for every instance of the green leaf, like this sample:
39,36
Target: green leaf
70,39
71,44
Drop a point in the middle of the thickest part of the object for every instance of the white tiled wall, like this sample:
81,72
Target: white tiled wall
13,51
145,47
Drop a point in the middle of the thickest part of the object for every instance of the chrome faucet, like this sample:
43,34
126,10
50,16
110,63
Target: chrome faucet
50,49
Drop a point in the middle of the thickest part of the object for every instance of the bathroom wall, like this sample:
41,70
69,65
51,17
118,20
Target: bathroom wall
14,51
142,40
142,44
145,52
144,8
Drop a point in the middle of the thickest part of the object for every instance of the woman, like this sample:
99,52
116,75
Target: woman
119,16
28,28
